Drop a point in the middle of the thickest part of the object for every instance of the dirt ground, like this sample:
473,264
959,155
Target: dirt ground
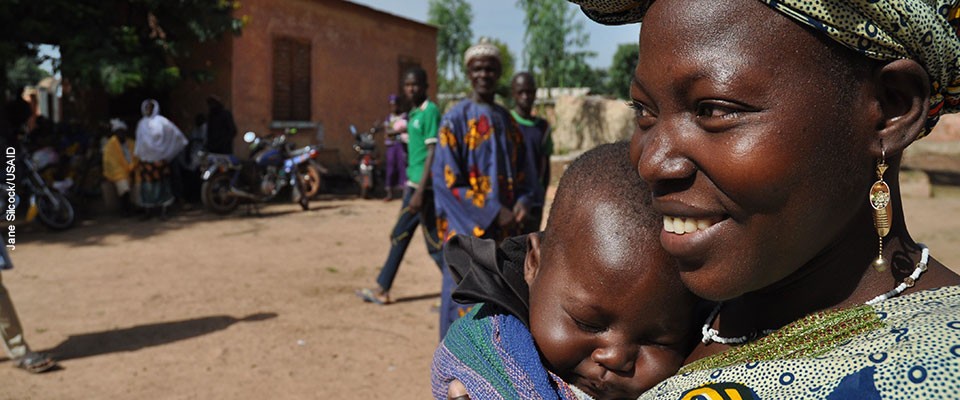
245,307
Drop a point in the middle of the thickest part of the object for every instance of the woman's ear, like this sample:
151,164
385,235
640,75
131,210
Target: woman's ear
531,263
903,94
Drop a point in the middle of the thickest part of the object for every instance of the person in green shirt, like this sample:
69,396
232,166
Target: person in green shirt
537,140
418,205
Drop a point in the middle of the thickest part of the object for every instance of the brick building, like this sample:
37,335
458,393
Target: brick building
312,64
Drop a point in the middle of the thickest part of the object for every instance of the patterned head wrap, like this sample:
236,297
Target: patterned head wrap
887,30
482,49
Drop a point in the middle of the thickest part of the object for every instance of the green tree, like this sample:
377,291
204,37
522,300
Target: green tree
507,63
554,42
25,72
622,68
115,44
597,79
453,17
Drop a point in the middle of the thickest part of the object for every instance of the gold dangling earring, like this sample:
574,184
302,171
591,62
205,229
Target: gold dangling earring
882,210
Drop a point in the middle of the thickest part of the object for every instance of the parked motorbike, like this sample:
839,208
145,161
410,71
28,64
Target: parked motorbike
273,165
366,163
50,205
311,172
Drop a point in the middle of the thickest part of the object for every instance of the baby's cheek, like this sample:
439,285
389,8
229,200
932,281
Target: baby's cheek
655,365
557,345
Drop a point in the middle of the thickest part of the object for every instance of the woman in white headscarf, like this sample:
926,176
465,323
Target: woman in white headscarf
158,142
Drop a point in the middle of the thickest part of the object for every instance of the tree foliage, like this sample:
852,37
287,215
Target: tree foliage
507,63
622,68
25,72
554,41
453,17
115,44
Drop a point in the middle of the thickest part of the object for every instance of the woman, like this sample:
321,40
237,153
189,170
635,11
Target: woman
395,125
771,134
158,142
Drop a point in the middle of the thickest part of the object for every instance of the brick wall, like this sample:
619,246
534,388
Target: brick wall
355,55
188,99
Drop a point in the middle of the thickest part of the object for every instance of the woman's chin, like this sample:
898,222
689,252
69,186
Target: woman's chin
708,285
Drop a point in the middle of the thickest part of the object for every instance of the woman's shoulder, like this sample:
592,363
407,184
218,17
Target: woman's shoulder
935,297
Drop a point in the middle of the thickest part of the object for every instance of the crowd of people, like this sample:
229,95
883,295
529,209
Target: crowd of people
478,169
157,164
139,167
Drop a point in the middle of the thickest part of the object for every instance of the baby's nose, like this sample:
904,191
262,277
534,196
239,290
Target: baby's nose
617,358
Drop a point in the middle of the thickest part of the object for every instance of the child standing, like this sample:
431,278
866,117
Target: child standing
395,126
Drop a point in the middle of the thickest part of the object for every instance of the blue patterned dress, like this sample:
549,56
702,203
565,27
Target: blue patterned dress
479,166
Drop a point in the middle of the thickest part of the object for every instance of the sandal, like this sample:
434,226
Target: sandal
35,363
370,296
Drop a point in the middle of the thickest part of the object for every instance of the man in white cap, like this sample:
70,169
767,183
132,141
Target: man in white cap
119,161
482,180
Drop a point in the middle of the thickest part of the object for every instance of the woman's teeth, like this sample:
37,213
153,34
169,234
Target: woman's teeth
684,225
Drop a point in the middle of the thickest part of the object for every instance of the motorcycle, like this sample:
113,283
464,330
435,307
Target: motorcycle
311,172
48,204
365,172
273,165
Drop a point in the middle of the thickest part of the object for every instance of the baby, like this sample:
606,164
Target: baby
593,299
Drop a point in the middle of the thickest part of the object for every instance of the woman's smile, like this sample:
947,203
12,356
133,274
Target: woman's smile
690,239
681,225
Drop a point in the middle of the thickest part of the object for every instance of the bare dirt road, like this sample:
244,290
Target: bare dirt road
204,307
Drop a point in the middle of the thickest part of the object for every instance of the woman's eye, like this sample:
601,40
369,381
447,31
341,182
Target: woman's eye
640,110
644,116
714,110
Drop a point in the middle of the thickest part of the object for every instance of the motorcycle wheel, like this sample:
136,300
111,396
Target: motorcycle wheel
57,215
298,196
365,187
215,195
311,178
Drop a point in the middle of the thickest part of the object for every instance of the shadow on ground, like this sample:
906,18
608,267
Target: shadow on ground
416,298
95,228
142,336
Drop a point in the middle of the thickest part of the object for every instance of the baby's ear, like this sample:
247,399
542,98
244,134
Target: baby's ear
531,263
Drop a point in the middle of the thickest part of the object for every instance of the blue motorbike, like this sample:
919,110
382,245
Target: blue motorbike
273,165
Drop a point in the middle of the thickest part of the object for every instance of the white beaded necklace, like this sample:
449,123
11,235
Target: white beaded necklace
712,335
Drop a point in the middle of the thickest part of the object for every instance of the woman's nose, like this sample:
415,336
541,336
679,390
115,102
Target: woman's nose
617,358
660,154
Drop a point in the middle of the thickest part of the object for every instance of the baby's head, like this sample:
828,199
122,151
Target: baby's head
607,309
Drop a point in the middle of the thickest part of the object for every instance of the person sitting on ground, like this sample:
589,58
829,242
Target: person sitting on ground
595,294
119,161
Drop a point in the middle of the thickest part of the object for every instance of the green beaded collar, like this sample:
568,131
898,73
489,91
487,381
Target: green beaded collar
810,336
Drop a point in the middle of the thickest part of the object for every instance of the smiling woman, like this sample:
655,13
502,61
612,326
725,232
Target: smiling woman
771,135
